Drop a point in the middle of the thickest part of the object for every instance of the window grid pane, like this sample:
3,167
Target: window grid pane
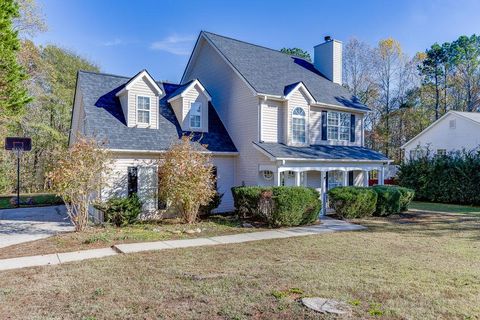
338,126
298,129
195,121
143,116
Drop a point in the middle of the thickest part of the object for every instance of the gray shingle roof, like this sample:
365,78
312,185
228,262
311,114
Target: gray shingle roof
104,118
321,152
272,72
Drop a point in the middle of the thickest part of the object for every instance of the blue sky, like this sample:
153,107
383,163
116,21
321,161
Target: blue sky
123,37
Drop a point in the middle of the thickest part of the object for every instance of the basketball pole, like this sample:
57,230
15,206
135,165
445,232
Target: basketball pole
18,178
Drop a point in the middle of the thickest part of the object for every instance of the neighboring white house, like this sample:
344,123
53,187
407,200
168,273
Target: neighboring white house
453,131
267,118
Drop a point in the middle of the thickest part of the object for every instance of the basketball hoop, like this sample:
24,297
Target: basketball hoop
18,145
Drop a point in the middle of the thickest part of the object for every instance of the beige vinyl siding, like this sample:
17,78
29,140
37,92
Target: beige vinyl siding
297,99
316,128
117,180
177,107
315,125
236,105
142,88
271,122
124,103
195,95
225,181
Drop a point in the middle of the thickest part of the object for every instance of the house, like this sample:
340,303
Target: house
453,131
266,117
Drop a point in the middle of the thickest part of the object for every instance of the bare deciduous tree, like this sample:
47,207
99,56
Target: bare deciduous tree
186,178
78,177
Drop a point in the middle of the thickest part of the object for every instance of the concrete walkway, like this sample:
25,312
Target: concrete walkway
328,225
28,224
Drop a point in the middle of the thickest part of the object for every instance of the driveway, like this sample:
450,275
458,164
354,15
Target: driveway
28,224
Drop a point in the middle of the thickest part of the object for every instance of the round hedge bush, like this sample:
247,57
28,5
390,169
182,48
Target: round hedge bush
353,202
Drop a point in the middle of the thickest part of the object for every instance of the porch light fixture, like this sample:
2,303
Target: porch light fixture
267,175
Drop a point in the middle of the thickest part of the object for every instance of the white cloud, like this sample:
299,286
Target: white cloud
174,44
114,42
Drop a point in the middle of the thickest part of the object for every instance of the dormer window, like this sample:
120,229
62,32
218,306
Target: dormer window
298,125
143,110
196,115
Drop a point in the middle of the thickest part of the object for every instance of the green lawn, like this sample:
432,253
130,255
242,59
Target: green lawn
444,207
38,199
412,266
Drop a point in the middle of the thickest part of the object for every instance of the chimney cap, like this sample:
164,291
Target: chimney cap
328,38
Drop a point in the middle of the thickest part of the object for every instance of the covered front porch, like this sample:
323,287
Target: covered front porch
322,176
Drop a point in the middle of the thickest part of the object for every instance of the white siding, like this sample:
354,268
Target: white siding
194,95
118,178
271,122
466,134
316,128
236,105
225,181
147,179
142,88
297,99
315,125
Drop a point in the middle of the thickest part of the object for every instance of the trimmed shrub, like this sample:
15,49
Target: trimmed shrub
121,211
245,200
353,202
388,200
406,196
278,206
295,206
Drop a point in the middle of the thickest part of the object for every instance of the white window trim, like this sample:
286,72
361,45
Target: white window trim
200,115
149,110
304,117
339,126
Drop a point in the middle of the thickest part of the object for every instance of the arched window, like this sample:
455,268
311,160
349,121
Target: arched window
298,125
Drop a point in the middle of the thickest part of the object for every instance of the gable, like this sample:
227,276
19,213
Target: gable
465,133
268,72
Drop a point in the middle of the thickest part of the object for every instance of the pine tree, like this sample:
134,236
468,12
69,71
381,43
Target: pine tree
13,93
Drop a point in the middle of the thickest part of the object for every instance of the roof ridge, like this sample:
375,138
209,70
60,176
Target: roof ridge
253,44
103,74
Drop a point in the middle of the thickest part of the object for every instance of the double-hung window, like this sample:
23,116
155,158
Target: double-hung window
298,125
143,110
338,126
196,115
335,179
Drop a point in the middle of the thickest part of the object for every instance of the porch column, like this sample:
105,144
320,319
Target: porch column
345,178
276,178
323,194
297,178
365,178
381,176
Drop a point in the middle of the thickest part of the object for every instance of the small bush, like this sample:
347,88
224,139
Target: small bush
295,206
121,211
388,200
353,202
245,200
406,196
278,206
212,205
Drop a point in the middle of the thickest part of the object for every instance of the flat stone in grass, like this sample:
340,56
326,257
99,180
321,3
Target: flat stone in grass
326,305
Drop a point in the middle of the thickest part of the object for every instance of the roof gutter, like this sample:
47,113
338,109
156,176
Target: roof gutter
215,153
266,96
